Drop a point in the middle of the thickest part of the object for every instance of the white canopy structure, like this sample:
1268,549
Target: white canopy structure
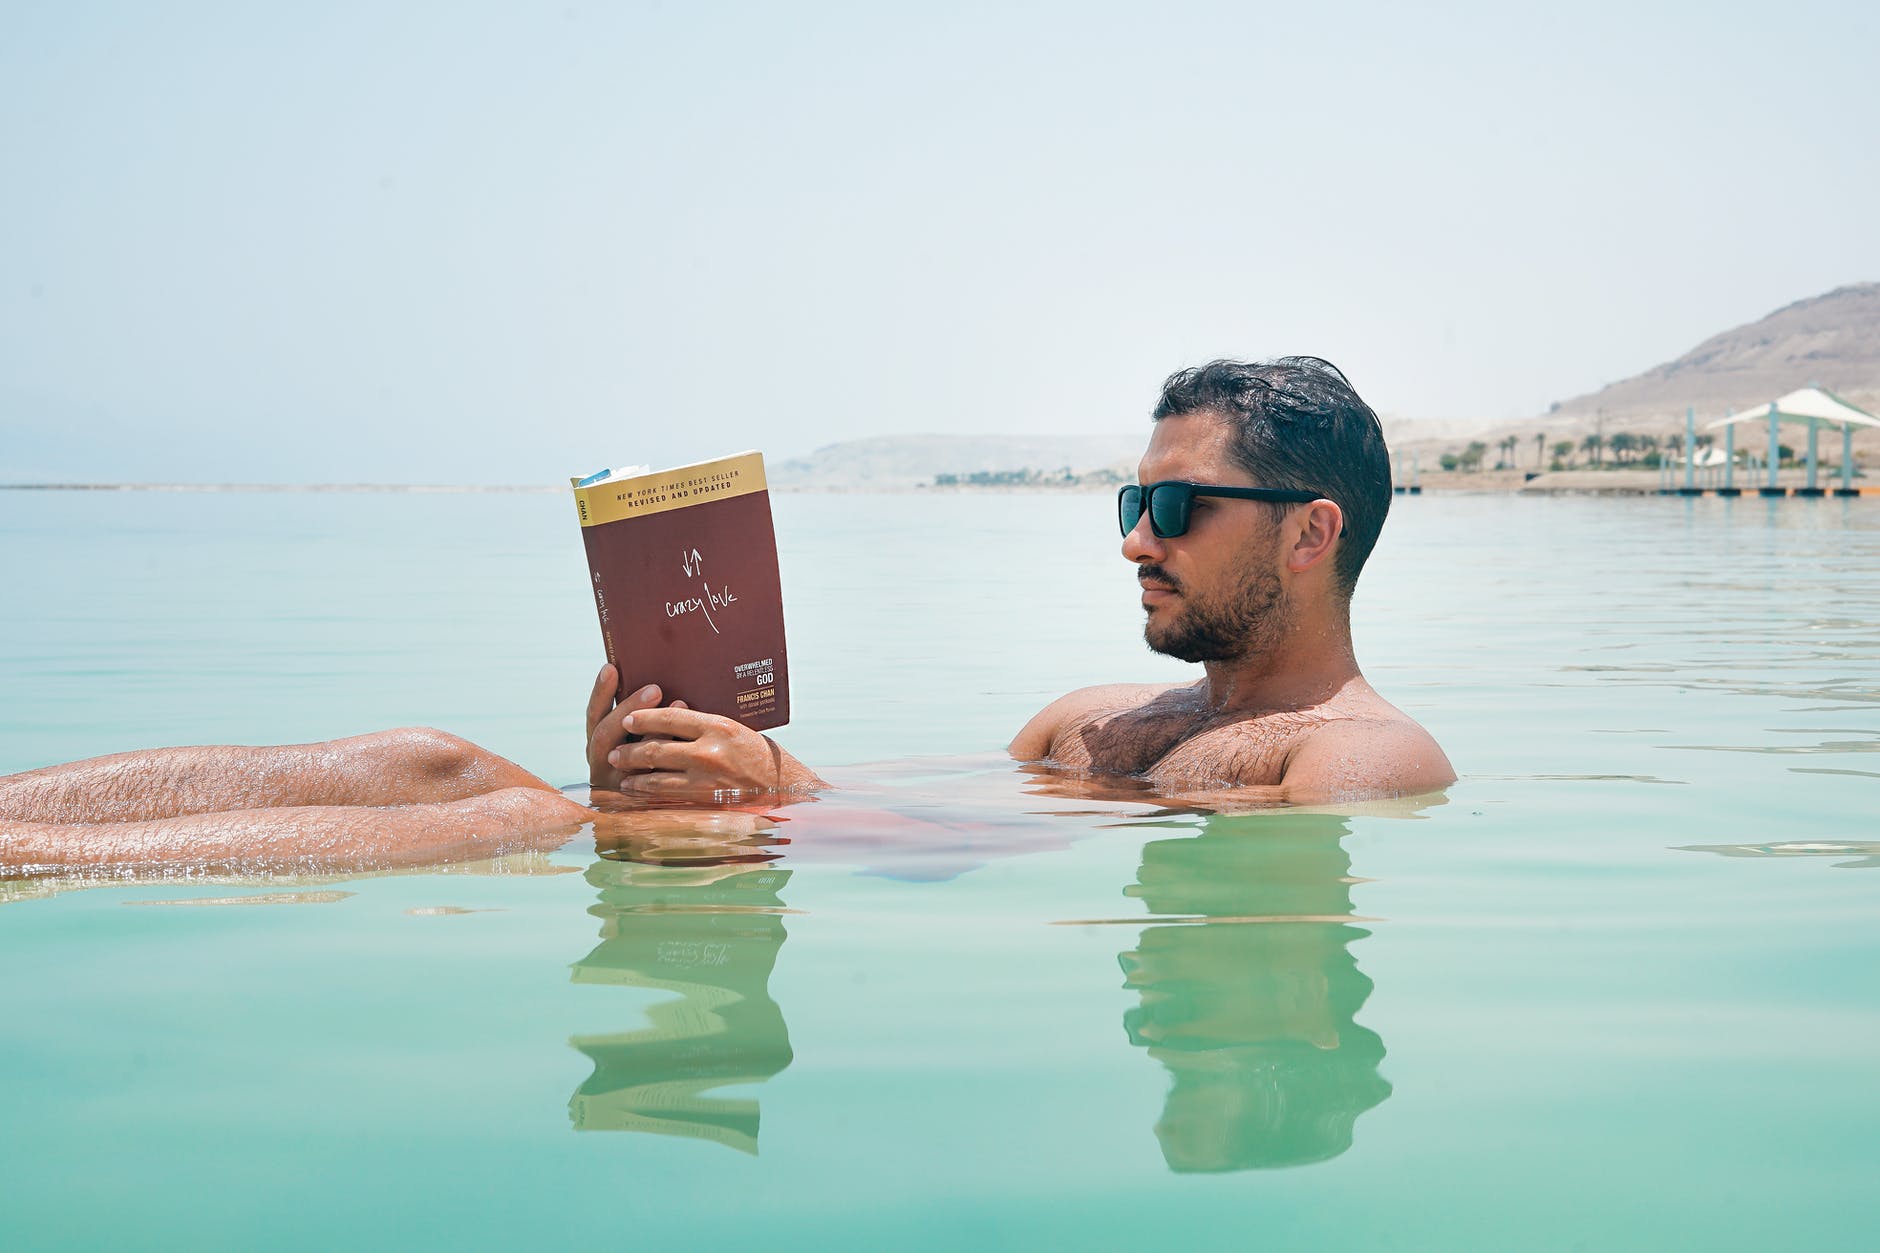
1811,407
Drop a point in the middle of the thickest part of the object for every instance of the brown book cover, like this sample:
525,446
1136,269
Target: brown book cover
684,568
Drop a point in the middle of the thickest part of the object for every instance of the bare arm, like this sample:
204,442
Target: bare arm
1039,736
1033,742
1364,759
412,765
315,837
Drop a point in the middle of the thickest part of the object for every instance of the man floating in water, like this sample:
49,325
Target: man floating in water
1261,494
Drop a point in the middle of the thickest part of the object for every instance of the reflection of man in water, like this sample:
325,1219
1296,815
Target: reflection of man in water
1249,999
712,935
1264,488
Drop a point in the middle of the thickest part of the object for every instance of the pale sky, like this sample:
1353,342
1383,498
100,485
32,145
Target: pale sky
510,242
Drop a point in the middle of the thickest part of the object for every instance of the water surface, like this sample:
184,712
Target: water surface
1616,992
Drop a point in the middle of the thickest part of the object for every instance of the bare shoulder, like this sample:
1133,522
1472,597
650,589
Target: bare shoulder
1386,753
1073,709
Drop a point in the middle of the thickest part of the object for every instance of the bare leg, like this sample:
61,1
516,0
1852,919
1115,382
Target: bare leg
409,766
308,838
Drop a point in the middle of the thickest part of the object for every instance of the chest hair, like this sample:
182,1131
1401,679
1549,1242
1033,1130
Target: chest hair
1174,739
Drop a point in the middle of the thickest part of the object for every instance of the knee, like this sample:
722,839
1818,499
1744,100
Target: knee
454,764
425,755
429,753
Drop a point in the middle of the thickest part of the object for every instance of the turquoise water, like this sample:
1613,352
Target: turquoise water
1617,992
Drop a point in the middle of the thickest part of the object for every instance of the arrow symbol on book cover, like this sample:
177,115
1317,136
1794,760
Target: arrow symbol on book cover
691,564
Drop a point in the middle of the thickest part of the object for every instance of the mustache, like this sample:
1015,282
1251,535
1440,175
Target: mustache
1156,574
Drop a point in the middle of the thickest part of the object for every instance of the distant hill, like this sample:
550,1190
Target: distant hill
1831,341
899,462
894,462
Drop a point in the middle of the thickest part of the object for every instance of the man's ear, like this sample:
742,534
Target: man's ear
1315,532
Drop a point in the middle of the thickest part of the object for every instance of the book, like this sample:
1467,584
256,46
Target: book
684,569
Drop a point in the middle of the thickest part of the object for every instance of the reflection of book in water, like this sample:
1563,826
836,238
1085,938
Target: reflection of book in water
713,938
1250,1006
683,564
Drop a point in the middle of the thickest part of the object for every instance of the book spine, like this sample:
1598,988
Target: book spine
600,605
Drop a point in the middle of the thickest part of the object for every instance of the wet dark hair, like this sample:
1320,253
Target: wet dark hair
1298,424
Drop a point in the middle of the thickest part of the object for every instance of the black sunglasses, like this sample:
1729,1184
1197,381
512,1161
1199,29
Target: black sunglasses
1171,501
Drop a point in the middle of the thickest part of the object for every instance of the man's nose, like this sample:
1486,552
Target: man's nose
1142,546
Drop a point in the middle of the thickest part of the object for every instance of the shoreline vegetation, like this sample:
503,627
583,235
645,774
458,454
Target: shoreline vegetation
1582,481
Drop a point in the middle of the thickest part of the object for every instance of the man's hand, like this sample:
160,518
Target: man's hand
606,730
681,752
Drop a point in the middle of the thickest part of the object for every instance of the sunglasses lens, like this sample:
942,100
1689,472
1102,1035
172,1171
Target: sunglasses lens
1168,510
1129,508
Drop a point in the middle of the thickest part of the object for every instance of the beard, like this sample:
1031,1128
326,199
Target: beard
1247,619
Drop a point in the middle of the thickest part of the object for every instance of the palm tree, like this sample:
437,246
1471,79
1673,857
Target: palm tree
1540,448
1621,443
1563,453
1593,444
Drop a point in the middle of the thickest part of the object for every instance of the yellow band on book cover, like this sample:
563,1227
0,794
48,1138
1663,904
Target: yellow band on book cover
643,495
